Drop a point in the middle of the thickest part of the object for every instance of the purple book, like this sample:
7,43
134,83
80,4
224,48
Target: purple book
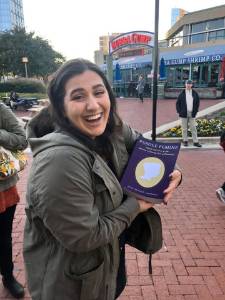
147,173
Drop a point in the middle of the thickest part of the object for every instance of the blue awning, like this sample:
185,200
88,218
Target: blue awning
176,57
194,55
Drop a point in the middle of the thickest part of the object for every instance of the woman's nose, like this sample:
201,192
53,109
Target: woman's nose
92,103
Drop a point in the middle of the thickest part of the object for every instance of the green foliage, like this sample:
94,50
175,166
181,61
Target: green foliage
15,44
212,127
222,113
23,85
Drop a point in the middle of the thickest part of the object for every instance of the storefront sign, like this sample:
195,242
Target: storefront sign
193,60
143,38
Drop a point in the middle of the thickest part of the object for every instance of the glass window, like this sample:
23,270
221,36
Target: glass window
178,76
196,74
214,75
198,27
170,75
216,24
217,35
198,38
205,72
186,70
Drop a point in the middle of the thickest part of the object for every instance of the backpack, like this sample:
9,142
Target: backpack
145,234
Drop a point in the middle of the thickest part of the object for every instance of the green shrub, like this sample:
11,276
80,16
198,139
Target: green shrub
23,85
212,127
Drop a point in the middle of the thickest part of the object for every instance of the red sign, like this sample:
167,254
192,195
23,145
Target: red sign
133,52
131,38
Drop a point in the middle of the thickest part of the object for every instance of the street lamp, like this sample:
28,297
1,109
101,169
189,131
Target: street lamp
155,72
25,61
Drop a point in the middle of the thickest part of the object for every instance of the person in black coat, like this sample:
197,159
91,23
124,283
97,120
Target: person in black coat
220,192
187,106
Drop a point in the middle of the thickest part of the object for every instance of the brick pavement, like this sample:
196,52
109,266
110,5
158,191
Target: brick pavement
191,264
139,114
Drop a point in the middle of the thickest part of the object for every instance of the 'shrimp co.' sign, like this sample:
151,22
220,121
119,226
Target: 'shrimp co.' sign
143,38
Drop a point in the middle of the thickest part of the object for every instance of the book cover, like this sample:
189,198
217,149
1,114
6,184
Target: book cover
147,173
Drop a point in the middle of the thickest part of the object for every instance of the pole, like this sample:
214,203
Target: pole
109,63
155,72
190,72
25,65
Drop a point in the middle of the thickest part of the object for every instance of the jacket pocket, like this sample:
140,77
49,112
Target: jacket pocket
91,283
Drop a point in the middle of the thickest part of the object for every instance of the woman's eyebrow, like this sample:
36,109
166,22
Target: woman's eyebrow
76,90
79,90
98,85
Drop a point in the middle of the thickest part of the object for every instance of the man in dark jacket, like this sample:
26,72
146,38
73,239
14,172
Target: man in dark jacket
187,107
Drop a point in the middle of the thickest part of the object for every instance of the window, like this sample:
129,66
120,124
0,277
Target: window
198,38
215,24
198,27
178,76
217,35
170,76
186,70
214,75
196,74
205,70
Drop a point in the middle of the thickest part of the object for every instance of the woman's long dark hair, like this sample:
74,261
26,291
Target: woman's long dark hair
56,93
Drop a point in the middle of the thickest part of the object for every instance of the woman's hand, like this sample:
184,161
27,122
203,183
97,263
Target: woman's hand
174,182
144,205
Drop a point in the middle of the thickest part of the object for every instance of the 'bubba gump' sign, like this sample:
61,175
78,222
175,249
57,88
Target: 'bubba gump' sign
143,38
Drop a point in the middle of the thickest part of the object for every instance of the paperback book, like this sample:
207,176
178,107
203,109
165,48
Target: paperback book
147,173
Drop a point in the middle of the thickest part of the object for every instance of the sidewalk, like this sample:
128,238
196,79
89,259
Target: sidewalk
191,264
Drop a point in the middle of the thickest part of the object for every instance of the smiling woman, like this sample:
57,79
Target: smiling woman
77,214
87,103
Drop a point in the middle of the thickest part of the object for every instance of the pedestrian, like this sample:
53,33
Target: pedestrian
223,89
221,191
45,119
12,137
140,87
187,106
75,207
13,98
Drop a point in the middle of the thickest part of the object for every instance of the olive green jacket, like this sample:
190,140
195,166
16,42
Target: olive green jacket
75,215
12,137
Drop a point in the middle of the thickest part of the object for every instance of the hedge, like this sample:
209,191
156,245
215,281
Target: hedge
23,85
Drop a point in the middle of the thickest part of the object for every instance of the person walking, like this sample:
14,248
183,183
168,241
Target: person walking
75,208
220,192
13,98
12,137
140,87
187,106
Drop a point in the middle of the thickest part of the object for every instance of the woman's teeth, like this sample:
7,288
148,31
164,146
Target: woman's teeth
94,117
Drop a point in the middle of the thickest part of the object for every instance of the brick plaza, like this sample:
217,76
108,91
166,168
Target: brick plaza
191,265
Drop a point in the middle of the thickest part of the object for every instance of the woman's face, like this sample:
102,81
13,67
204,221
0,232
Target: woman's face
87,103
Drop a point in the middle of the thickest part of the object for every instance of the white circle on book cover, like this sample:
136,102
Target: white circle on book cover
149,171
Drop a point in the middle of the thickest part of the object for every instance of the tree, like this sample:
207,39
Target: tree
42,58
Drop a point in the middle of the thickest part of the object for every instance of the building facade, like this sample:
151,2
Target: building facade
11,14
194,49
196,46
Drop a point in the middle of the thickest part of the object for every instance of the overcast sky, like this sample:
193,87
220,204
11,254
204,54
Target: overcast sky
72,27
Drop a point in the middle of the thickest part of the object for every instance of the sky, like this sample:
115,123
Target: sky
73,27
